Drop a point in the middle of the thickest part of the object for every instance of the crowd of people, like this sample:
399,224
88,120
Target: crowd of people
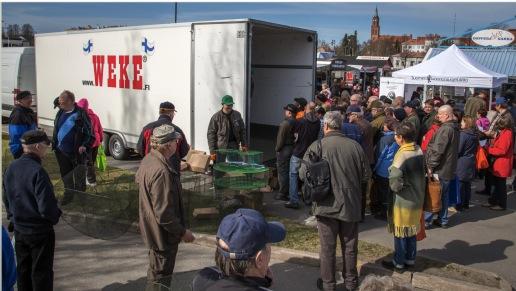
402,146
378,150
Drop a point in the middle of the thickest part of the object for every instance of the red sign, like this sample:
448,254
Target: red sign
117,71
349,76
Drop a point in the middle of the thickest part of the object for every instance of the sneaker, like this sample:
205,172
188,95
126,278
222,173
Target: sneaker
439,224
292,205
394,267
428,225
93,184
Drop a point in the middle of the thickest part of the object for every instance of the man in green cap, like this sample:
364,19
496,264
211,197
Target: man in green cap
226,129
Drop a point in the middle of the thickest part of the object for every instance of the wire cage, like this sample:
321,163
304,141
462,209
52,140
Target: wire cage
238,170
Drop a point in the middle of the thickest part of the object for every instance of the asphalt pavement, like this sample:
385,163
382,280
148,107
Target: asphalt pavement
479,237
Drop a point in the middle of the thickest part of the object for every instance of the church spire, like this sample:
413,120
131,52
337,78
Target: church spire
376,11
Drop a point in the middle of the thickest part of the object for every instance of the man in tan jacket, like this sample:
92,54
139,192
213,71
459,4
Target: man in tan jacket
162,224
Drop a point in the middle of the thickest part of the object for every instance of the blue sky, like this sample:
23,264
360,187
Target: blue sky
330,20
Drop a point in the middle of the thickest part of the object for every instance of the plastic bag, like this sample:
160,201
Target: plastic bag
101,159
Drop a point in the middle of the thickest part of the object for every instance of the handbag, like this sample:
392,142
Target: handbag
432,196
481,159
101,159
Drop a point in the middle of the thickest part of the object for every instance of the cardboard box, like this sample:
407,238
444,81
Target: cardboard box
190,153
184,166
199,163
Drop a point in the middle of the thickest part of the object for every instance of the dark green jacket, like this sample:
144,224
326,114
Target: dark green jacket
414,119
220,127
426,123
442,152
473,104
349,168
285,135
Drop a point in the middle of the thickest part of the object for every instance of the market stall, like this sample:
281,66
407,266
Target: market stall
452,68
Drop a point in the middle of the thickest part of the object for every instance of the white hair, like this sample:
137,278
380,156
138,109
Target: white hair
333,119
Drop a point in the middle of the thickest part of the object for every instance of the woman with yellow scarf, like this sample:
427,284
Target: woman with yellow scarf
407,182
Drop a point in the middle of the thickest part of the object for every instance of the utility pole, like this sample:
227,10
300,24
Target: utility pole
454,22
175,12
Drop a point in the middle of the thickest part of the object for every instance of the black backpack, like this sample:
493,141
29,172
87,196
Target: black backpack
317,183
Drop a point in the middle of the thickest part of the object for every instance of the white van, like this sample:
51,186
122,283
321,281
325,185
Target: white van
126,72
18,74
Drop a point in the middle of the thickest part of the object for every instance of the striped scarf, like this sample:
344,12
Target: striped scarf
406,178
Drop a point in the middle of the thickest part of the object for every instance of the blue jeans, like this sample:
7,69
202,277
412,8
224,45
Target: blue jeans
405,251
295,163
445,194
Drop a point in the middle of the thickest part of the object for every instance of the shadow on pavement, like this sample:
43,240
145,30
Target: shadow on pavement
180,281
480,253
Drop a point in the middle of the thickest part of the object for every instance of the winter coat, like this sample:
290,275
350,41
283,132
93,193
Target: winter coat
367,139
349,170
428,137
220,127
83,133
143,147
29,196
414,119
386,156
468,144
426,124
285,135
502,150
407,182
96,126
21,120
473,105
483,123
352,131
377,125
441,155
307,130
162,222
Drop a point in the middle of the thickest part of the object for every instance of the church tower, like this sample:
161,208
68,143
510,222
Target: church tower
375,26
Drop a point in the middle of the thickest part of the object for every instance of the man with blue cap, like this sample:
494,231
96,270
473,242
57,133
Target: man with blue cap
243,253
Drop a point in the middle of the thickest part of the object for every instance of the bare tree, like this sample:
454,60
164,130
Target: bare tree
13,30
28,33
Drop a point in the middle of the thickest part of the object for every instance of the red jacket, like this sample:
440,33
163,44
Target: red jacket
428,136
502,149
96,127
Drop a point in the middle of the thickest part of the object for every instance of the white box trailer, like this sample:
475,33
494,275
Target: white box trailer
18,74
127,72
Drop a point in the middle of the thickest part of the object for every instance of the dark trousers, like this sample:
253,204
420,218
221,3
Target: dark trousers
283,165
35,261
465,193
499,196
329,229
73,174
161,267
364,200
383,193
90,165
488,182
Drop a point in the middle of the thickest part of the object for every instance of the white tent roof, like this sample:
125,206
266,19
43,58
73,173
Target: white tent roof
451,68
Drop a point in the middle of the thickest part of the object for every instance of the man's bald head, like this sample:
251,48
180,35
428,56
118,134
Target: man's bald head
445,113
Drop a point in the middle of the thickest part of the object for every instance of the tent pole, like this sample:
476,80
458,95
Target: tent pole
490,98
424,93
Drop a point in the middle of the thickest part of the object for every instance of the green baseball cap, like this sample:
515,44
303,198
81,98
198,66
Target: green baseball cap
227,100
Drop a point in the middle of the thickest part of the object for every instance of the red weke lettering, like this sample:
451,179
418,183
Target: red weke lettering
123,77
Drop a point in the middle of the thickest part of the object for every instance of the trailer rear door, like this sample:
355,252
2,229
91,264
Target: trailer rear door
220,67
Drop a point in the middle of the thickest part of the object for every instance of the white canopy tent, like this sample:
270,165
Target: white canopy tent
451,68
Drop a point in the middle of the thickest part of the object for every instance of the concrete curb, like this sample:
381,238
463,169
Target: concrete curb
416,279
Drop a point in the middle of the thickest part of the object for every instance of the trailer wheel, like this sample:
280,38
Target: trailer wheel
117,147
105,144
